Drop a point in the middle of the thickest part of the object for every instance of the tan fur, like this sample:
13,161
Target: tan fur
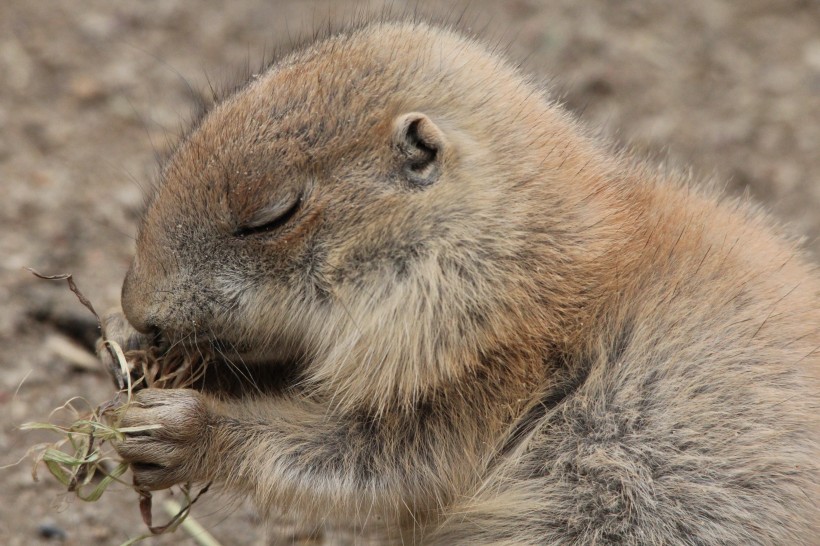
532,340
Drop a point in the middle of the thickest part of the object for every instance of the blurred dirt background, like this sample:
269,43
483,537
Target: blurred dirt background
91,91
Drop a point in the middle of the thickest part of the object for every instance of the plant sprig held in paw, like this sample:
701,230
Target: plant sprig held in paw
83,460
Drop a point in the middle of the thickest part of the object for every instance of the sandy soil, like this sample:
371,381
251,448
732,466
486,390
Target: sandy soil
91,92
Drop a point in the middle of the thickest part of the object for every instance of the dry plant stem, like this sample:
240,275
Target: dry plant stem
176,520
113,371
73,287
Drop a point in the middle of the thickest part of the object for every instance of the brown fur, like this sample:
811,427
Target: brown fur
498,330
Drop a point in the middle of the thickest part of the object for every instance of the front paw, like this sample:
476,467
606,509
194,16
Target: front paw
172,447
116,328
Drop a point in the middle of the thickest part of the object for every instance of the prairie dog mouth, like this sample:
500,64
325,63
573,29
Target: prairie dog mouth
242,371
237,378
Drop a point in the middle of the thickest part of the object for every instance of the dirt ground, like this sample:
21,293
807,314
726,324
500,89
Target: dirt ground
91,91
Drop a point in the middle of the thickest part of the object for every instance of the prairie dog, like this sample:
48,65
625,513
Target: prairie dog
489,327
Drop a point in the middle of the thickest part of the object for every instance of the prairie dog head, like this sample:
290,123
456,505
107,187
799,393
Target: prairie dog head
364,205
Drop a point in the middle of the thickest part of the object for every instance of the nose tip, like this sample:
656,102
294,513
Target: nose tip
135,304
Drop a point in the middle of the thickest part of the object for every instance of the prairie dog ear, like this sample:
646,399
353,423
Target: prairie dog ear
420,144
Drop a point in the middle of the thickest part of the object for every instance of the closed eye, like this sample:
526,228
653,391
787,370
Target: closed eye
270,220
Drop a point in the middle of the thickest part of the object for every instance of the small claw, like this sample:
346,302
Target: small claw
153,477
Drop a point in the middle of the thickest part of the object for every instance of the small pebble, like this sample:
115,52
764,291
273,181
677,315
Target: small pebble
51,531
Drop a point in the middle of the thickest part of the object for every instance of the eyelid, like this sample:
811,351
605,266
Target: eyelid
270,218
